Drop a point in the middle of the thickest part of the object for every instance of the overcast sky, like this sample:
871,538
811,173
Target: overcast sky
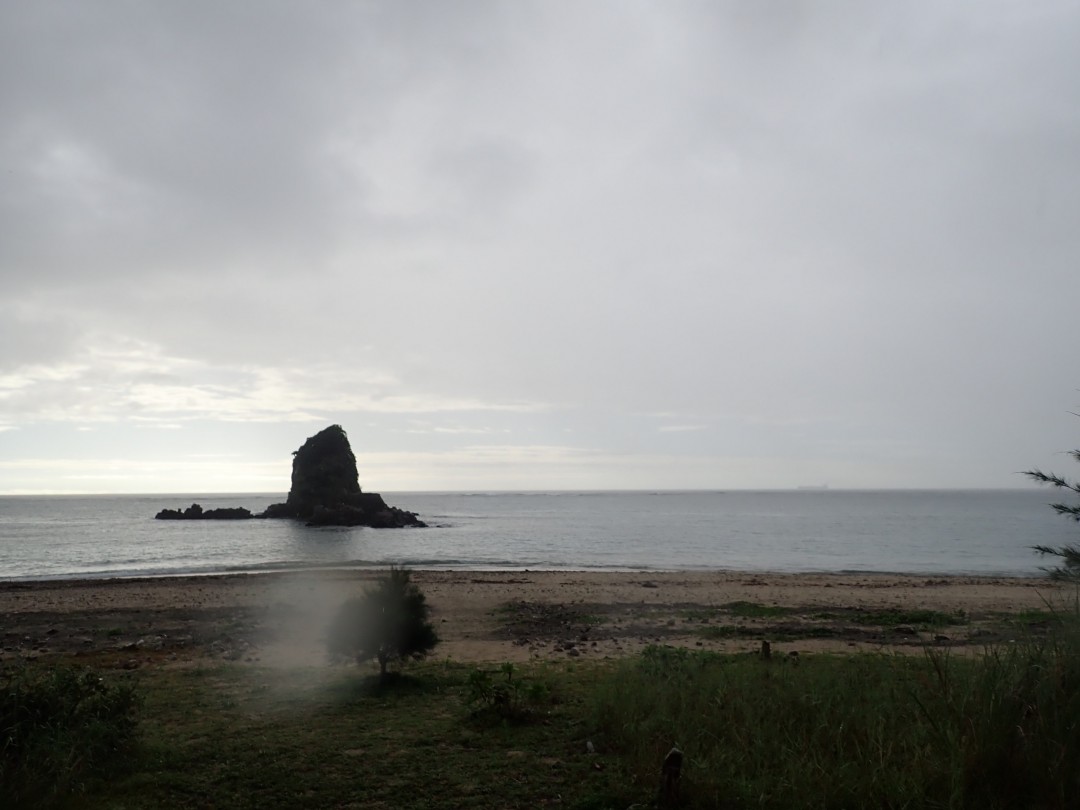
538,245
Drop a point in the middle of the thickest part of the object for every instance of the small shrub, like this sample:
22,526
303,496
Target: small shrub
388,623
508,698
58,728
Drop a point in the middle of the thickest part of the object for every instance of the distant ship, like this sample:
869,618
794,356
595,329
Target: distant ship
814,487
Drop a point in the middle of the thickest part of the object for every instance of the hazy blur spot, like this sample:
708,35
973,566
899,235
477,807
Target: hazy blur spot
301,608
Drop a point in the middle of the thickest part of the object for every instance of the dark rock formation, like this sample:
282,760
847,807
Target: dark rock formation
323,473
366,509
195,512
326,491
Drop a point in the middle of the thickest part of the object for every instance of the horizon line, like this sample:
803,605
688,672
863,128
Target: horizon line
482,491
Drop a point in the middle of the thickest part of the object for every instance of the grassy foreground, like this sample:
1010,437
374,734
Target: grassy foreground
1000,730
234,736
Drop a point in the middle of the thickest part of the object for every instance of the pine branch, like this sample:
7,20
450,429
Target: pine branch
1069,570
1053,479
1071,512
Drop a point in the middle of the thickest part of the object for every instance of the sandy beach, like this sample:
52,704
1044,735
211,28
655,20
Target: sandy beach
279,619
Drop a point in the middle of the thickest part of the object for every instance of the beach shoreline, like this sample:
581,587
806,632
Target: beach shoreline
278,618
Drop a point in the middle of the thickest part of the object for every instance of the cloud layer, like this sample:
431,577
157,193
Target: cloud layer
673,244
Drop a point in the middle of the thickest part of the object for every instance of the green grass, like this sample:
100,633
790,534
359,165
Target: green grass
849,731
858,731
231,736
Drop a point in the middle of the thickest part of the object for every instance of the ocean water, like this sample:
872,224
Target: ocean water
925,532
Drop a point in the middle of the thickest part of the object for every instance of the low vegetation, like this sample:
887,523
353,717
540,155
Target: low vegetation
388,624
60,728
918,619
996,731
231,735
938,730
753,621
507,695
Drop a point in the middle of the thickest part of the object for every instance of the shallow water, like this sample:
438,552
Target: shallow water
932,532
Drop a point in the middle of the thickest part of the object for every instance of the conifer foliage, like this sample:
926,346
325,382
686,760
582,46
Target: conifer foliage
388,623
1069,569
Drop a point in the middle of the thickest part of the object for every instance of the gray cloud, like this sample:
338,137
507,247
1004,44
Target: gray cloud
839,235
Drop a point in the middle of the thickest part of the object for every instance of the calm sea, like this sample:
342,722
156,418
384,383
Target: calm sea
926,532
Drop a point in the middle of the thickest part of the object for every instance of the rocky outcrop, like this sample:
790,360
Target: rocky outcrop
367,509
196,512
323,473
325,491
325,488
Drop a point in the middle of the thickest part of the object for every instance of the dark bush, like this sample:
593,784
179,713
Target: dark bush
388,623
508,698
59,728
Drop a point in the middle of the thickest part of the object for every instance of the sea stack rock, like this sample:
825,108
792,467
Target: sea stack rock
326,491
196,512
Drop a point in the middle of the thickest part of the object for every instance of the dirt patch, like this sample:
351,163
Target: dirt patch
228,633
618,628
